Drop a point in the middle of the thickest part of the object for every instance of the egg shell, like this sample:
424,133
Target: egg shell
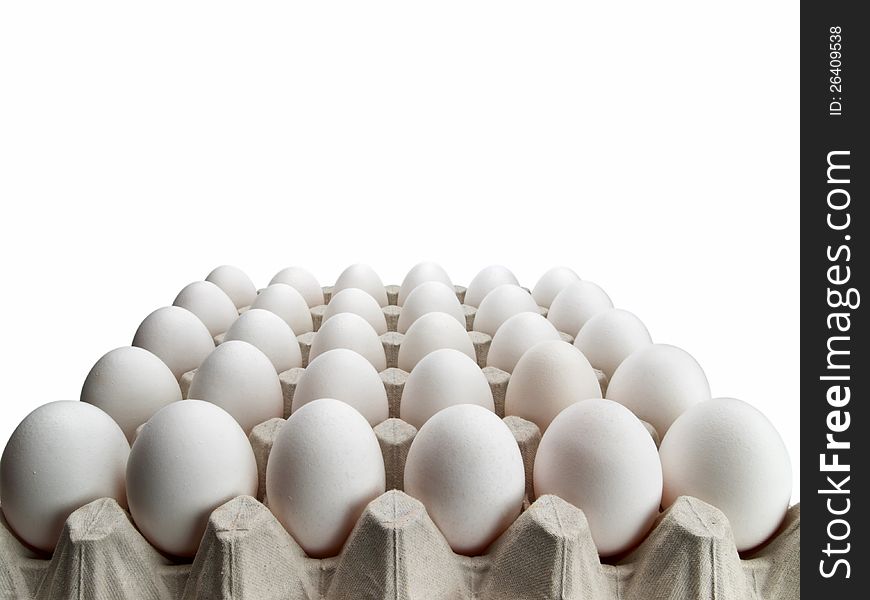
303,282
430,332
235,283
351,331
443,378
210,304
242,381
726,453
357,301
346,376
599,457
270,334
288,304
576,304
177,337
362,277
187,460
431,296
464,465
610,337
657,383
516,335
421,273
551,283
130,384
499,305
548,378
487,280
60,457
324,468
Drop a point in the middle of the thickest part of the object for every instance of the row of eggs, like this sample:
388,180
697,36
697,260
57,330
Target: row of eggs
600,462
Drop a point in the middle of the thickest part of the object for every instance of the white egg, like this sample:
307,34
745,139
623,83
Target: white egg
354,300
443,378
351,331
609,337
487,280
344,375
421,273
288,304
548,378
600,458
516,335
130,384
187,460
499,305
177,337
62,456
433,331
303,282
208,302
431,296
576,304
362,277
465,466
657,383
726,453
235,283
551,283
242,381
270,334
324,468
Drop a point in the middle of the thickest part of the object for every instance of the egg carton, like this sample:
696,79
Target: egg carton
395,550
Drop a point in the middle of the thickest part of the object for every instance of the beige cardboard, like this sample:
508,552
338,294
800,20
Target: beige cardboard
395,551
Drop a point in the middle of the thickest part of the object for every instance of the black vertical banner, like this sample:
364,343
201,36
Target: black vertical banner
835,222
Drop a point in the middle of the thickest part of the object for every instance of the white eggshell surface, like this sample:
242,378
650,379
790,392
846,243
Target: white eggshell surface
433,331
303,282
499,305
362,277
464,465
347,376
60,457
235,283
324,468
487,280
443,378
351,331
600,458
358,302
130,384
576,304
270,334
610,337
177,337
210,303
431,296
516,335
551,283
657,383
187,460
288,304
421,273
242,381
726,453
548,378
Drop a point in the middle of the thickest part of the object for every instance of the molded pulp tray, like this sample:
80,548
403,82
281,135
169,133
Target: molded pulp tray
395,550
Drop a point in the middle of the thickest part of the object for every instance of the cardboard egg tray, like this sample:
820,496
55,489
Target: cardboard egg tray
395,550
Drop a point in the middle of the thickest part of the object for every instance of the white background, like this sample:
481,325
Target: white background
651,146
